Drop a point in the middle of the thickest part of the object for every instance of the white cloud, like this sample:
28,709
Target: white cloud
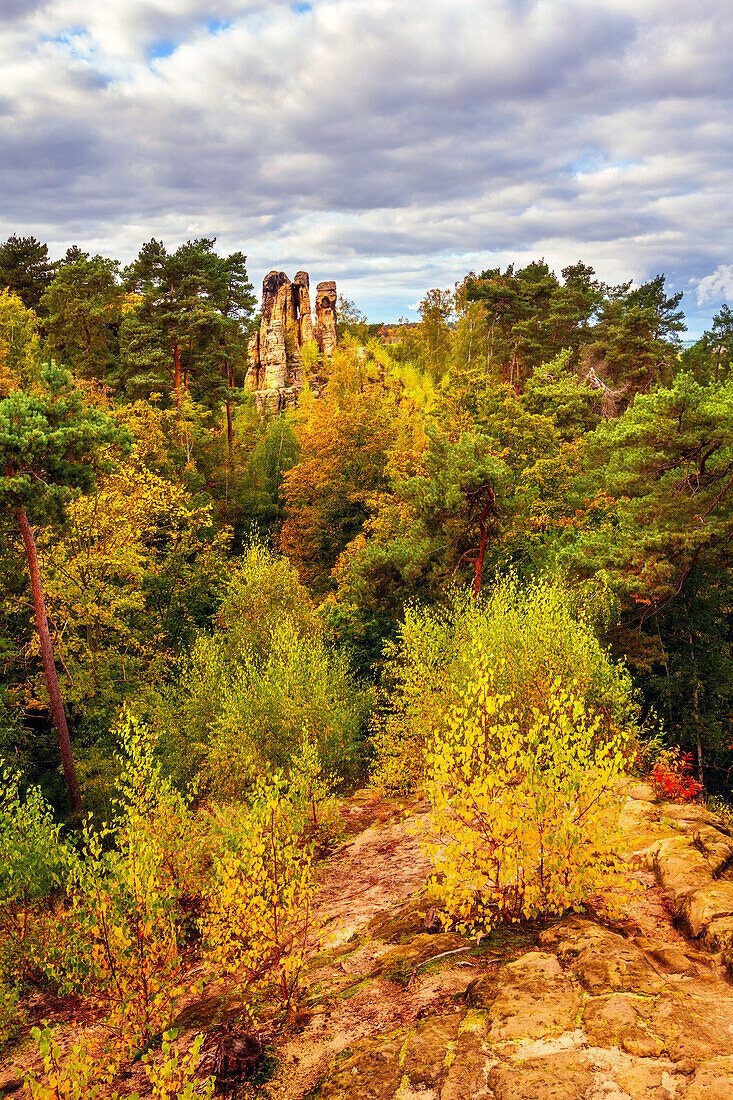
717,287
391,143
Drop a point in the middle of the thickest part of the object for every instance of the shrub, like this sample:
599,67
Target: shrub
263,590
126,918
267,701
537,636
245,694
34,864
259,901
84,1074
672,777
174,1077
525,810
88,1072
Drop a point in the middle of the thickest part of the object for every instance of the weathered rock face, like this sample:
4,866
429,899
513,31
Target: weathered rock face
301,288
274,351
277,311
326,317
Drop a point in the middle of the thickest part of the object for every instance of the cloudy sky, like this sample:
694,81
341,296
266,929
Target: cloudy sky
391,144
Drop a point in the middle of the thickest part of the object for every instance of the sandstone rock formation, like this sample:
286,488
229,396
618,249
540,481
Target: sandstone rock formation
274,351
580,1007
326,317
301,288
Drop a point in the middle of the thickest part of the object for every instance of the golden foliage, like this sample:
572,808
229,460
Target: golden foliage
525,817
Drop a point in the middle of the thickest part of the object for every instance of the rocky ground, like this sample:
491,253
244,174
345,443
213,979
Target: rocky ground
641,1010
577,1008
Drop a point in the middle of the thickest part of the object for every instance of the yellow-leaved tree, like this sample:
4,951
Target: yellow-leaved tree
260,895
525,817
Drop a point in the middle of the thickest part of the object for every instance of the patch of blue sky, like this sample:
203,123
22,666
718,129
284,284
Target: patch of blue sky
160,47
76,41
588,164
216,26
301,7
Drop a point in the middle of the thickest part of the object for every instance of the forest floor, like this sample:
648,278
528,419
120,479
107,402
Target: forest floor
579,1008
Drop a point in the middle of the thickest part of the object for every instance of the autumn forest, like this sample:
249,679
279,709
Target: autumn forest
214,610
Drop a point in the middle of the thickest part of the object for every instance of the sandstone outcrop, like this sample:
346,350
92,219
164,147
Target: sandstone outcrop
326,317
275,372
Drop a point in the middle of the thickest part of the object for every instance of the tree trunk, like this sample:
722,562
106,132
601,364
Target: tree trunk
478,565
230,427
49,667
177,374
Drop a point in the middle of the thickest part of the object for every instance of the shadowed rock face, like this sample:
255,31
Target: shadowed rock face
301,288
287,324
326,317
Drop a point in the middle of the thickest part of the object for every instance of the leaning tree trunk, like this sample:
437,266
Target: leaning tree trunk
49,667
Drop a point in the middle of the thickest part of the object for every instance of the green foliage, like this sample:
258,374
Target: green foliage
244,695
249,493
262,591
188,329
51,445
525,818
127,923
174,1078
89,1072
138,569
554,390
637,335
538,635
530,314
228,717
82,1073
34,864
84,306
267,701
25,268
668,463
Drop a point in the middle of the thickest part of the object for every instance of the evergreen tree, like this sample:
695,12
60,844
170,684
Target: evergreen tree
188,329
48,452
84,305
25,268
637,336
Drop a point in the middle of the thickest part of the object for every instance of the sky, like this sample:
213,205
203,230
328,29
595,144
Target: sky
393,145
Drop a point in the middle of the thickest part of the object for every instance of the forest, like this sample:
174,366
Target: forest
215,624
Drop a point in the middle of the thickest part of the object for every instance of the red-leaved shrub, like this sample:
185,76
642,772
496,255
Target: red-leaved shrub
672,779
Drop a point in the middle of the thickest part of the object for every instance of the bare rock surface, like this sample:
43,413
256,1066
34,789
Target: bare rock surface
578,1009
326,317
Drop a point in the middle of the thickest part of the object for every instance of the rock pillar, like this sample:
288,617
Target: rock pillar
326,317
287,324
301,288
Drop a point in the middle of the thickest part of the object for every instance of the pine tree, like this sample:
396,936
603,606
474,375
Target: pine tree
49,444
25,269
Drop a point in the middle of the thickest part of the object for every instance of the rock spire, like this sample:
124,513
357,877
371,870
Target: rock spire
287,324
